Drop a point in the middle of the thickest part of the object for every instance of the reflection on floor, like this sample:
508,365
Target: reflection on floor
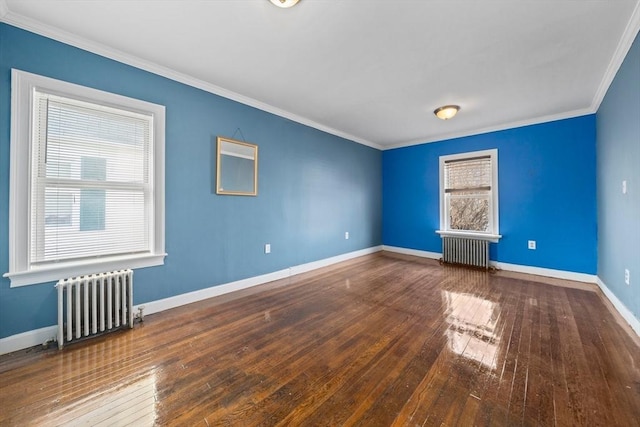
377,341
472,322
122,405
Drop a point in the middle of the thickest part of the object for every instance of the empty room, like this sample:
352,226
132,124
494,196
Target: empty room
319,213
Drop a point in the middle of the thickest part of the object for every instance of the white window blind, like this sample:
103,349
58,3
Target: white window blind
91,194
469,194
468,175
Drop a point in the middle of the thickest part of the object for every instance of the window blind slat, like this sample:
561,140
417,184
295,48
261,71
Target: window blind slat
91,190
467,189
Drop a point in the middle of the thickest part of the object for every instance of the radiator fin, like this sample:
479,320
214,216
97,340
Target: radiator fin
94,304
465,251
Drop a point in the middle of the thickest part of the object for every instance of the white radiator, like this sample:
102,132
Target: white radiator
93,304
465,251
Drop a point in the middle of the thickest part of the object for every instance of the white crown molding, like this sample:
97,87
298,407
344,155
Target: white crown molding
626,40
71,39
628,36
496,128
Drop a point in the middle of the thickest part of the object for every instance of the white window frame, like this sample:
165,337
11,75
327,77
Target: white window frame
493,235
21,271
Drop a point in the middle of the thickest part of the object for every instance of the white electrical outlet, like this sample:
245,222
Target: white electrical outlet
627,279
624,187
267,248
532,244
346,235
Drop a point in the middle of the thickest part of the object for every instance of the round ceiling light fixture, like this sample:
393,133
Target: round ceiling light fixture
447,111
284,3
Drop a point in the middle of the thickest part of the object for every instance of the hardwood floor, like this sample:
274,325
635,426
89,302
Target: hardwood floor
382,340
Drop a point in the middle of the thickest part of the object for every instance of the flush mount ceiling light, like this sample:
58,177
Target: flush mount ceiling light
284,3
447,111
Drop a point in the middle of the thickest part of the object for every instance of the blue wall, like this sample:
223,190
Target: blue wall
312,186
547,190
618,150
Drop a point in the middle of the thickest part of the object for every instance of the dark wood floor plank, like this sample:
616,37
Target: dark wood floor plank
381,340
394,345
601,361
434,359
496,384
578,376
324,341
467,336
539,407
522,378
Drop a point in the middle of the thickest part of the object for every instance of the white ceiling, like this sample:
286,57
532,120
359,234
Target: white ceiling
369,70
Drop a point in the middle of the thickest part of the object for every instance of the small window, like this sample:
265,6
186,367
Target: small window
469,194
87,181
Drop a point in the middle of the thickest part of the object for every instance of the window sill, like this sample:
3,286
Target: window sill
470,235
51,273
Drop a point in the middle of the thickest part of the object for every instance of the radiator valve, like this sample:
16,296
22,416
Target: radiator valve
140,315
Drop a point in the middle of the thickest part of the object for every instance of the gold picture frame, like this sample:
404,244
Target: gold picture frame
236,167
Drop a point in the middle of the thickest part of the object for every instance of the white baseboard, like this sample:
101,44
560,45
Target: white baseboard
547,272
626,314
538,271
303,268
415,252
28,339
39,336
214,291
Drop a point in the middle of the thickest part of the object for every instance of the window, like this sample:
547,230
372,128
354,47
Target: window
87,181
469,195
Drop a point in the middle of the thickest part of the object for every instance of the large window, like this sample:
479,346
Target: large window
87,181
469,194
